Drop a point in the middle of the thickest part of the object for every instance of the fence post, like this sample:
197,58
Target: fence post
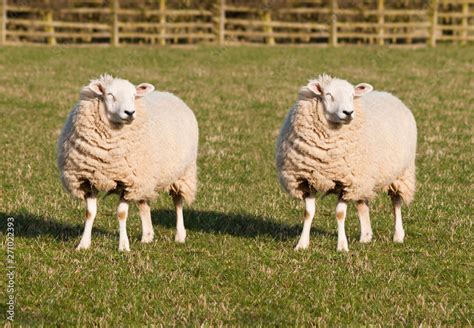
267,18
48,17
465,17
220,22
333,22
434,22
381,23
162,22
114,39
3,25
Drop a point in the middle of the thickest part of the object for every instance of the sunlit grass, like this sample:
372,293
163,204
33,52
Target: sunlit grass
238,265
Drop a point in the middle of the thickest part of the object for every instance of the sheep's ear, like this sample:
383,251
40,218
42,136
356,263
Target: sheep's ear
144,88
97,87
362,88
315,87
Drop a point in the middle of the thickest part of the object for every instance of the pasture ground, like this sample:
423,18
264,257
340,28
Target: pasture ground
238,265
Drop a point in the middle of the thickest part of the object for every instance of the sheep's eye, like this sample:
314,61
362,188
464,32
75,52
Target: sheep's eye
330,95
111,95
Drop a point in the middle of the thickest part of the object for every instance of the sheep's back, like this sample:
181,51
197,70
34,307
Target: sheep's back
173,125
387,144
389,127
168,145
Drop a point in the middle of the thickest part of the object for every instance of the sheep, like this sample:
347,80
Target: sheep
131,141
347,140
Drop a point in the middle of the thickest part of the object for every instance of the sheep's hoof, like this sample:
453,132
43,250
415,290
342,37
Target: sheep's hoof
124,246
302,245
366,238
83,245
148,238
180,237
399,236
342,246
124,249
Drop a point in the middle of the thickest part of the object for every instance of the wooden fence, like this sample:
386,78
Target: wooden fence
161,22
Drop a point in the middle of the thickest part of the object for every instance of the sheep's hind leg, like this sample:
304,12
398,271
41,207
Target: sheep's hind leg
91,211
341,209
399,234
310,210
147,226
364,218
180,230
122,213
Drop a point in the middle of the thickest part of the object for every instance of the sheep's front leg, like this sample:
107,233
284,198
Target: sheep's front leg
91,211
180,230
341,209
310,210
147,226
399,234
122,214
364,218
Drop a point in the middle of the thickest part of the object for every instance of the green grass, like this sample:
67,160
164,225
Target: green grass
238,265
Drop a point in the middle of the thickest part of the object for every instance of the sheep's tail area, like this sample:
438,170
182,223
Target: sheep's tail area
405,185
186,185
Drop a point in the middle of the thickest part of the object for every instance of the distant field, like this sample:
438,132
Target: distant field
238,265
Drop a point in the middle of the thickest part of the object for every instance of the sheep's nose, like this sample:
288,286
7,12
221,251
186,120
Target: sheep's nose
348,113
130,113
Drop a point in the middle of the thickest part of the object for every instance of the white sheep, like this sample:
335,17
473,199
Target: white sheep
347,140
133,142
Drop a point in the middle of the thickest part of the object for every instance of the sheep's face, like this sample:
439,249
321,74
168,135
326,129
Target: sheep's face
337,97
119,98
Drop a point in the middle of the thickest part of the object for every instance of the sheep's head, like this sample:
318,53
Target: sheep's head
119,97
337,97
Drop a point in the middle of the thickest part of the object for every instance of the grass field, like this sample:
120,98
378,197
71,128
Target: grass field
238,265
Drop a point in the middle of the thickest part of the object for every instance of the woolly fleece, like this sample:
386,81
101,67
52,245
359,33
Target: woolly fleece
375,152
157,152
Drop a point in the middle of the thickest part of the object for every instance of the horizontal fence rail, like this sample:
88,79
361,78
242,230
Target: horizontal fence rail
162,22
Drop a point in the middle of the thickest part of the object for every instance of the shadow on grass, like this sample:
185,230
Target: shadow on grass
29,225
234,224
